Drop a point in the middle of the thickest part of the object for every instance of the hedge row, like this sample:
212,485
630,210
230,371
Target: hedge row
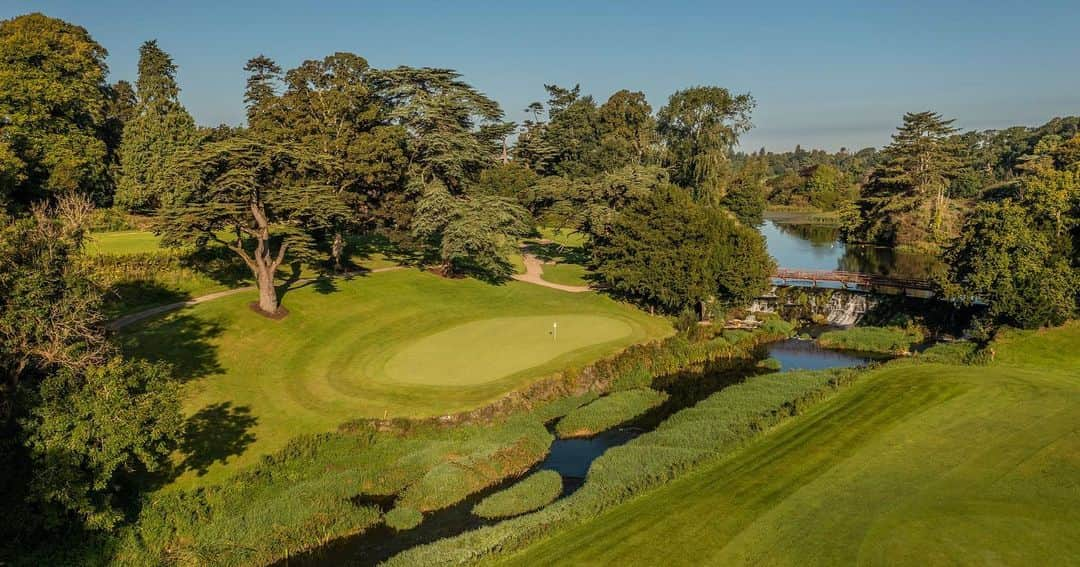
536,491
608,411
717,426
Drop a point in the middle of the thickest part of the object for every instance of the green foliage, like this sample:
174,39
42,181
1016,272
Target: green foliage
403,518
159,128
534,492
745,196
262,195
609,411
699,126
906,201
1004,259
889,340
671,252
471,233
637,377
455,131
79,422
53,98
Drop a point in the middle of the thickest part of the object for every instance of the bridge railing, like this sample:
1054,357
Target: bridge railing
851,278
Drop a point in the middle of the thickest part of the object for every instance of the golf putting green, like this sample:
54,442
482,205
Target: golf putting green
490,349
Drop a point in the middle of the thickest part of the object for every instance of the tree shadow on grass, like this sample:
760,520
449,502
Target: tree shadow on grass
182,341
215,433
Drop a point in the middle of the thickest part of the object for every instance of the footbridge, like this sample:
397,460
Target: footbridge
853,281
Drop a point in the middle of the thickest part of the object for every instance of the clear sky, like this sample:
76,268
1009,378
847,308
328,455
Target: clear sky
824,73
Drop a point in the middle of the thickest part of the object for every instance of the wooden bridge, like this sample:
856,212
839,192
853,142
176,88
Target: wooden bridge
853,281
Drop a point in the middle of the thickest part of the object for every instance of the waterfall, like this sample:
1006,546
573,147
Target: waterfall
838,307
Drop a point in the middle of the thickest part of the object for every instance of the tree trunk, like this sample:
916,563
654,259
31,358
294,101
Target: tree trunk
336,249
268,300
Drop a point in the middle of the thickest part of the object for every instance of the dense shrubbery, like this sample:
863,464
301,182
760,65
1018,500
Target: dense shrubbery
891,340
608,411
303,496
718,425
536,491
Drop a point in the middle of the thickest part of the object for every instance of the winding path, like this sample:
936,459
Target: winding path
534,271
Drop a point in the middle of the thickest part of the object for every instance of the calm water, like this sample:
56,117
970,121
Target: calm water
818,247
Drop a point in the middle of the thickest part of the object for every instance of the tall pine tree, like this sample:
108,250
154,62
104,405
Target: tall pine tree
160,129
907,200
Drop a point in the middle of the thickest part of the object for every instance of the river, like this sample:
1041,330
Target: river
808,246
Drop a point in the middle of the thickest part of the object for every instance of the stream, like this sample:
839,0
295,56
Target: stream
572,458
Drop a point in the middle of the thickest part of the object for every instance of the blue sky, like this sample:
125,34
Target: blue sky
825,74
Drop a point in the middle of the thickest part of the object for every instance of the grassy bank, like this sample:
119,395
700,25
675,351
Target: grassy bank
607,412
915,464
886,340
533,493
403,343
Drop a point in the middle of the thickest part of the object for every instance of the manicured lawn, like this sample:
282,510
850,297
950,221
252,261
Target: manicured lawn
123,242
915,464
400,343
565,274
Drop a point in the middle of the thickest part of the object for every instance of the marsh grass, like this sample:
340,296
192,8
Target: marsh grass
887,340
608,411
534,492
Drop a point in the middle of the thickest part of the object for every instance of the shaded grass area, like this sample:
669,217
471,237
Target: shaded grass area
534,492
608,411
888,340
915,464
325,363
137,273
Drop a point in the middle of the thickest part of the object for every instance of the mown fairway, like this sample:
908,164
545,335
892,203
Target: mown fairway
401,343
915,464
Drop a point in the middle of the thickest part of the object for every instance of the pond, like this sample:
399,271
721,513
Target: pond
818,247
571,458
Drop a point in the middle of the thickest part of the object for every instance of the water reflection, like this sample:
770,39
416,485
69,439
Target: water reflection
818,247
796,354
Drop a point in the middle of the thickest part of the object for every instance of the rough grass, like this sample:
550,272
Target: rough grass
254,383
608,411
889,340
915,464
318,488
534,492
565,274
